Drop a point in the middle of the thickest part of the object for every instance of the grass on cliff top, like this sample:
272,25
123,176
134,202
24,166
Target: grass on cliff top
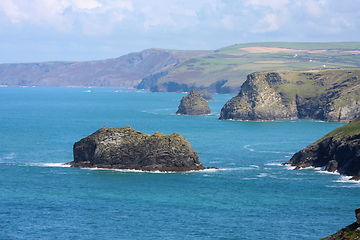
350,129
314,83
234,63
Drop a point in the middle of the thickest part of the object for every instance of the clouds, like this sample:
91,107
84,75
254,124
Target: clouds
182,24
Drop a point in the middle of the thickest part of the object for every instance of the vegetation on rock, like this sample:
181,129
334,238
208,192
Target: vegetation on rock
328,95
351,232
193,104
125,148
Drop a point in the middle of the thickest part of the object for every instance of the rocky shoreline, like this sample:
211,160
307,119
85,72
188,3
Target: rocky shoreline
338,151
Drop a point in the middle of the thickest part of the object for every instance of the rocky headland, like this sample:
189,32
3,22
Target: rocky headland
351,232
193,104
125,148
328,95
338,151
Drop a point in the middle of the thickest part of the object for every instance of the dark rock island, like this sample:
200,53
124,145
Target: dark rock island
351,232
328,95
339,151
193,104
125,148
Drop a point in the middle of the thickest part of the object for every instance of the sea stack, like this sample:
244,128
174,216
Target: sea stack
193,104
125,148
338,151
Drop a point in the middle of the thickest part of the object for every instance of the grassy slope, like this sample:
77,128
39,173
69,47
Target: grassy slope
300,82
349,129
234,63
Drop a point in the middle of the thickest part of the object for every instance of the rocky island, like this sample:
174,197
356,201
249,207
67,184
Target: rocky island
125,148
351,232
193,104
338,150
328,95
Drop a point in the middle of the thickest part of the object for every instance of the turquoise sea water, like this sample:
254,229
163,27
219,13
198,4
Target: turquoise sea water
251,196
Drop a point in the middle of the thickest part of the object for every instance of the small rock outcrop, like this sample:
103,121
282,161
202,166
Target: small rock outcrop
351,232
339,151
125,148
193,104
328,95
205,94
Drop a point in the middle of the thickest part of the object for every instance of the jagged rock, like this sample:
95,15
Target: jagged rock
351,232
328,95
193,104
205,94
125,148
339,151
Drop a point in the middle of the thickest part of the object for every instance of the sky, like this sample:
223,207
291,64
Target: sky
82,30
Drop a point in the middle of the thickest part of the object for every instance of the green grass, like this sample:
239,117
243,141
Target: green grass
349,129
233,63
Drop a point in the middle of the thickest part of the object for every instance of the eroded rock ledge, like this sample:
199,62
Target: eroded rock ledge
339,151
125,148
328,95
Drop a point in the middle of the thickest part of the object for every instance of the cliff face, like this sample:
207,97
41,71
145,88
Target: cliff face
328,95
337,151
125,148
193,104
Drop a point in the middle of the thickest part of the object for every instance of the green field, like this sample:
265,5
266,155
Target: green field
234,63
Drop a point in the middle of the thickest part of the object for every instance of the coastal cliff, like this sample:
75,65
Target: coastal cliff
338,151
351,232
328,95
125,148
193,104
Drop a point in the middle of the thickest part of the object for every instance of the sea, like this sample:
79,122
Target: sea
250,196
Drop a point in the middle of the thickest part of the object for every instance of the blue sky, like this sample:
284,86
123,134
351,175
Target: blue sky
79,30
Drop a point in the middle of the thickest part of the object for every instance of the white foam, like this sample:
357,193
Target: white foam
8,156
55,165
289,167
248,148
274,164
262,175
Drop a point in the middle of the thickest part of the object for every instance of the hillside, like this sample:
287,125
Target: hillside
158,70
123,72
224,70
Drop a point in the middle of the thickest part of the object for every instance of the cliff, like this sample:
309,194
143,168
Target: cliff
328,95
351,232
125,148
339,151
193,104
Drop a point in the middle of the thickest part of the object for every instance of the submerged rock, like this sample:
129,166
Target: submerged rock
351,232
125,148
339,151
193,104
